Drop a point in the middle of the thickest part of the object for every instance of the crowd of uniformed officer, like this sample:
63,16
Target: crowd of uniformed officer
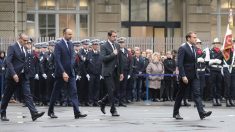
216,75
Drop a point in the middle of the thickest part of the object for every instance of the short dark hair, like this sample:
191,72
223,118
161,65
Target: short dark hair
64,30
188,35
111,32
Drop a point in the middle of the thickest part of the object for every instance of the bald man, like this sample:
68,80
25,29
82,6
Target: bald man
17,76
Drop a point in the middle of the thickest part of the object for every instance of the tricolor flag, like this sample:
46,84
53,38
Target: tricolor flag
228,39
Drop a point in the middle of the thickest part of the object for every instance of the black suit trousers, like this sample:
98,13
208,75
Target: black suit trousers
11,86
195,86
111,83
72,89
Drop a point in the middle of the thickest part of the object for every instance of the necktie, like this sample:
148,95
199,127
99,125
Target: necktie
193,51
114,47
22,51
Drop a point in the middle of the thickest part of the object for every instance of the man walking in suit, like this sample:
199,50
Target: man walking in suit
64,73
111,71
17,76
188,76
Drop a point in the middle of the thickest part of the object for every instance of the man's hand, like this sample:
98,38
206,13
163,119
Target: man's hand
185,79
121,77
16,78
115,51
65,77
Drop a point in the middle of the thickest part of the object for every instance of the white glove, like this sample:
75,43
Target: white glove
101,77
218,61
53,75
84,58
78,77
36,77
129,76
207,57
200,59
3,68
88,77
140,72
44,76
212,61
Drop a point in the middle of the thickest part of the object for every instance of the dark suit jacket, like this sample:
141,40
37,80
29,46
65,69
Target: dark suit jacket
127,61
187,62
15,61
94,65
110,61
138,66
64,59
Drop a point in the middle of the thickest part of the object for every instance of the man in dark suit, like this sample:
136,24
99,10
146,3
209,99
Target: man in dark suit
64,73
188,76
17,76
111,71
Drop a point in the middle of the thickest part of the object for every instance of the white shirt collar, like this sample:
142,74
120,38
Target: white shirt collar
190,45
20,46
110,42
65,40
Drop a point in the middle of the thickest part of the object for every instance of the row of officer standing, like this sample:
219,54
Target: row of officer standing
88,66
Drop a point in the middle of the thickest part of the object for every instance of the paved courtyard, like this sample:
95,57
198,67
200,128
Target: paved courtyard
137,117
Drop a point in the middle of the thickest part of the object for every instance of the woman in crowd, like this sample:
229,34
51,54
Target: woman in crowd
154,83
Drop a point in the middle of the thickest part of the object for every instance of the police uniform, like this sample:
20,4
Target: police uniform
228,80
94,70
32,68
232,84
77,66
215,65
43,75
201,67
50,69
84,82
125,88
36,87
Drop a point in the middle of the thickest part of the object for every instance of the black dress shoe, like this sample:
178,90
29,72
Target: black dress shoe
80,115
232,102
177,117
205,114
52,115
115,113
186,103
128,101
228,103
218,102
35,116
87,104
4,117
102,106
121,104
214,102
